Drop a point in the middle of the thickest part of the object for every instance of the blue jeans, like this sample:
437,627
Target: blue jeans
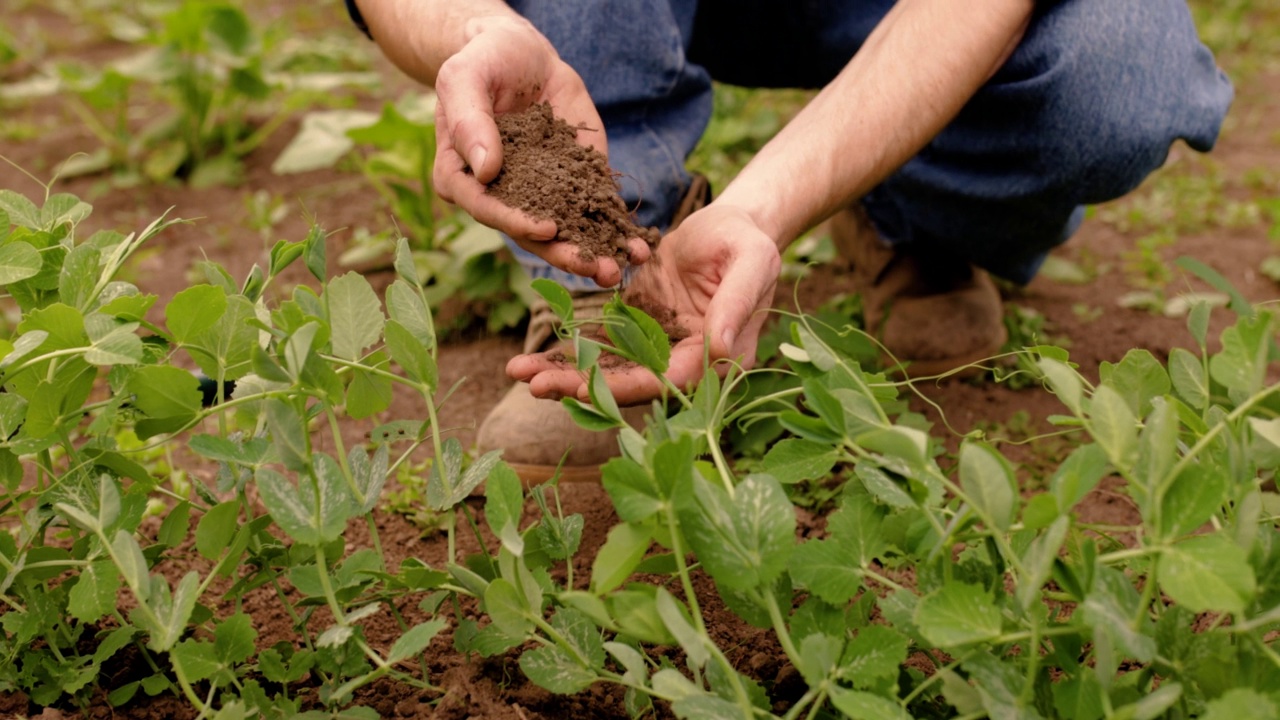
1085,108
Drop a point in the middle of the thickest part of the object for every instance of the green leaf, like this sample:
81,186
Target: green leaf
637,336
1110,608
676,619
18,261
94,594
999,685
119,346
958,614
226,348
78,277
1064,382
444,476
554,670
1038,560
744,541
1078,475
165,393
173,613
313,517
504,499
507,608
1113,426
874,655
988,481
194,311
827,569
321,140
856,526
407,308
1242,364
1078,697
796,460
1188,378
370,476
1207,573
216,528
411,354
475,474
415,640
1239,305
1195,495
288,434
589,417
622,551
355,315
1154,704
1138,378
233,640
196,659
635,493
557,297
133,566
369,392
1238,703
866,706
21,211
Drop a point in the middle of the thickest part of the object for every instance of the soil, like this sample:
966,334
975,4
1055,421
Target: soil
546,173
1086,317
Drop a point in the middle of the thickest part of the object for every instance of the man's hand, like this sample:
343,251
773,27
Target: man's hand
717,271
506,66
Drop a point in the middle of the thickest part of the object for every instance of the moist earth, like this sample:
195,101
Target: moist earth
547,174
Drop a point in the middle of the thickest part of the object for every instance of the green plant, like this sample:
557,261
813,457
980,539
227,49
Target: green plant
209,68
75,493
1023,609
456,258
937,589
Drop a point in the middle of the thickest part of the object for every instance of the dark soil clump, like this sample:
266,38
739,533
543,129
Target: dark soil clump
546,173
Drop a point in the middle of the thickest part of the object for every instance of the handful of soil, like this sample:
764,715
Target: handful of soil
547,174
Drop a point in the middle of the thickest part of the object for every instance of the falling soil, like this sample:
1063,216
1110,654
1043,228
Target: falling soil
546,173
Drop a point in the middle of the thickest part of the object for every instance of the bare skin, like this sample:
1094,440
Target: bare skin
719,269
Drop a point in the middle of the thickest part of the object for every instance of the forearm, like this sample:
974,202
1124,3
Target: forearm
912,76
420,35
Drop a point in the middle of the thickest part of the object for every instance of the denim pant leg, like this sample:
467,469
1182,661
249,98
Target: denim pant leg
1085,109
655,105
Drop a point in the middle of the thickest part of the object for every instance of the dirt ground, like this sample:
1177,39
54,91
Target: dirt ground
1085,317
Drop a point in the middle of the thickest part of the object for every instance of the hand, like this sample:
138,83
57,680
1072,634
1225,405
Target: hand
506,66
717,271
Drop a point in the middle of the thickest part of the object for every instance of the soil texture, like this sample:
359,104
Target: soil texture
546,173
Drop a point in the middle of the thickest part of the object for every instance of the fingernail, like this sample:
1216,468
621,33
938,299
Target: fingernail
727,337
477,159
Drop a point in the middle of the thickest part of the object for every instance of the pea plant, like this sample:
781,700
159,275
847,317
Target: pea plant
82,566
213,74
457,259
935,592
935,589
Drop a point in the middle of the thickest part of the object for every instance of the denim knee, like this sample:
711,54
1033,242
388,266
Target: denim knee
1118,84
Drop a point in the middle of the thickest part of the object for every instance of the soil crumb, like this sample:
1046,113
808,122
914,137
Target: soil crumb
546,173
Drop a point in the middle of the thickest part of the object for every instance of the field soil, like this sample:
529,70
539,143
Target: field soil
1086,316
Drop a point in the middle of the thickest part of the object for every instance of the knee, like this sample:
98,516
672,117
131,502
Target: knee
1113,85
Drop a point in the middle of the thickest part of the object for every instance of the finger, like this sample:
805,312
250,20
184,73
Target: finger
638,251
466,106
748,280
632,385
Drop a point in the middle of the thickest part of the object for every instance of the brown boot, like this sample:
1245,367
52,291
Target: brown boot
536,435
932,317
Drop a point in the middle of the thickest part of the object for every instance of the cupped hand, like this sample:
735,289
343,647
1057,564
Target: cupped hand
717,271
506,66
